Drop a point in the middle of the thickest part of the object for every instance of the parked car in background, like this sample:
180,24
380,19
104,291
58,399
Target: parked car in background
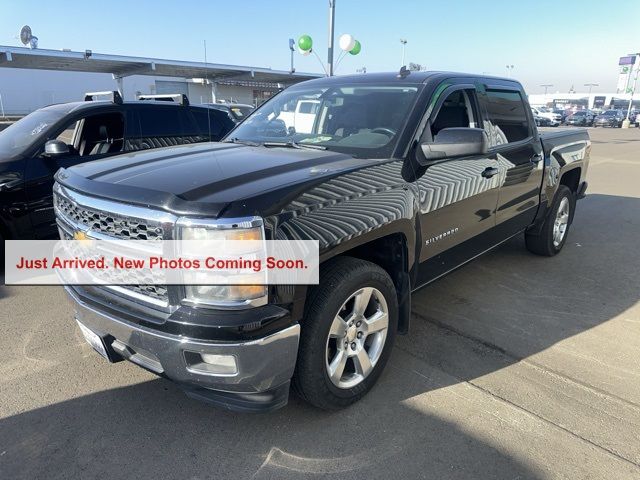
609,118
556,118
67,134
396,183
580,118
562,113
301,115
544,121
236,111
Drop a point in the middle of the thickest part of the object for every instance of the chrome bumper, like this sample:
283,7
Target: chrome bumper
262,365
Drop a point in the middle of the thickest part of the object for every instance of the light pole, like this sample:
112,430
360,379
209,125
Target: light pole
347,44
292,47
403,41
546,85
509,70
332,21
591,85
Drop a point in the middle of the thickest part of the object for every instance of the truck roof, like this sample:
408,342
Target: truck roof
86,105
391,77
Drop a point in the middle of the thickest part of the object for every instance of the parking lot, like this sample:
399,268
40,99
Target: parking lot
516,367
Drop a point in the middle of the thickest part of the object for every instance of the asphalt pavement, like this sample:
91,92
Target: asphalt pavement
516,367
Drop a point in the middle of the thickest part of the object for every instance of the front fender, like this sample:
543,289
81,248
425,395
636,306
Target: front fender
348,211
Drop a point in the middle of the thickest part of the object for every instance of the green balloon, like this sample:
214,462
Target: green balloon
356,48
305,43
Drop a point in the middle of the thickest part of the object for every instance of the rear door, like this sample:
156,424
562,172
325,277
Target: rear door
457,197
516,148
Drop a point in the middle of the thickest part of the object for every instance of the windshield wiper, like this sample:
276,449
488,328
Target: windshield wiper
242,142
293,144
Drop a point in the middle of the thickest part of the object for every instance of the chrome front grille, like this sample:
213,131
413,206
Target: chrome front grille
104,219
107,223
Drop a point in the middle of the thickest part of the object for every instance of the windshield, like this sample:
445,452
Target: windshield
579,114
610,113
362,120
25,132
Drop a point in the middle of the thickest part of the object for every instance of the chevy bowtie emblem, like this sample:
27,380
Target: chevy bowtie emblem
80,235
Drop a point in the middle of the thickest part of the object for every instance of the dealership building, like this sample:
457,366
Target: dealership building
586,100
629,72
33,78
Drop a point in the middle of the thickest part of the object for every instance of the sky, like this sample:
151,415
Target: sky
563,42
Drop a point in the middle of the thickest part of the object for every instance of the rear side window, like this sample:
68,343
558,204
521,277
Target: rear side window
160,126
219,122
507,119
160,122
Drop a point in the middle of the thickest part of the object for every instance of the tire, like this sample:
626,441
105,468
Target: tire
546,243
321,343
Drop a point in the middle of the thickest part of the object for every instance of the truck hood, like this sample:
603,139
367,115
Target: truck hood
206,178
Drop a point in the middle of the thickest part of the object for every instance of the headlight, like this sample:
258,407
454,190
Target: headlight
224,295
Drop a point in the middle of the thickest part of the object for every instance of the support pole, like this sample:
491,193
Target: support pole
120,83
633,90
332,19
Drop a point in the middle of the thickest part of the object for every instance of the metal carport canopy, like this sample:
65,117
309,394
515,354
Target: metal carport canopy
122,66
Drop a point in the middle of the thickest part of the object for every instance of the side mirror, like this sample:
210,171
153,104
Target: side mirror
452,143
56,148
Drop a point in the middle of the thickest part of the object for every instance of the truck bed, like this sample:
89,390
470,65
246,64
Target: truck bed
564,138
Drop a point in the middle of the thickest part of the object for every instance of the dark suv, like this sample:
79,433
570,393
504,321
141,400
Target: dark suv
64,135
609,118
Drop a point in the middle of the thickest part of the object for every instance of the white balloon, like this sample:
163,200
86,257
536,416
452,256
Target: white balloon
347,42
304,52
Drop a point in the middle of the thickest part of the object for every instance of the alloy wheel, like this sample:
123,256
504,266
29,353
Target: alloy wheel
356,338
561,222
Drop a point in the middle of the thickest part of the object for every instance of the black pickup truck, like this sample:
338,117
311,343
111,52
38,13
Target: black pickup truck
403,178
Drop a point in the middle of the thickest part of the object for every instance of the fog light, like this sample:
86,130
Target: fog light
211,363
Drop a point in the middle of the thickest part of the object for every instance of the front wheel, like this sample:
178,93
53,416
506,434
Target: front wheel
554,231
347,334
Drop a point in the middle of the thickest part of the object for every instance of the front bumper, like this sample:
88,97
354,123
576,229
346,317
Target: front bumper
264,365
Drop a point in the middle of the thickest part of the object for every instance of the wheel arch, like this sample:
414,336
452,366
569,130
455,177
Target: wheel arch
394,250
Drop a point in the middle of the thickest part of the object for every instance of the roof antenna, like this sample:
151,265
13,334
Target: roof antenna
404,72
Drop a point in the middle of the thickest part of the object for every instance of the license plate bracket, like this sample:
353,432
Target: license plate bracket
96,341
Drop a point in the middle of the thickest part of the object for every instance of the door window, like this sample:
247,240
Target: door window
507,120
67,134
101,134
456,111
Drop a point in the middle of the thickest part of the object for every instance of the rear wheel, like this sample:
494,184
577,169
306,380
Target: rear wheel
347,334
554,231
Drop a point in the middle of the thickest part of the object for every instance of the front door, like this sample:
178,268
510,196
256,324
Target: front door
88,138
457,197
